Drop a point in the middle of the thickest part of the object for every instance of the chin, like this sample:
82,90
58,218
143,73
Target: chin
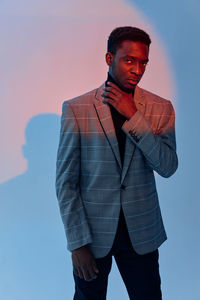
128,89
130,86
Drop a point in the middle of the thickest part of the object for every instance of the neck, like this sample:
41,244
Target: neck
111,79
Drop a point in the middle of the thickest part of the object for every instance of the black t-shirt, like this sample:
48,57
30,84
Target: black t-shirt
118,120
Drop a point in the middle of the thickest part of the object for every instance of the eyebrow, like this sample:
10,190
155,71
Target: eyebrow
143,60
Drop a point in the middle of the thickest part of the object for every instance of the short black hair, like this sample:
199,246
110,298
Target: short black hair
120,34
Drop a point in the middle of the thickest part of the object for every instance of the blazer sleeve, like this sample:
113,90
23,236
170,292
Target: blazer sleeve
67,182
158,149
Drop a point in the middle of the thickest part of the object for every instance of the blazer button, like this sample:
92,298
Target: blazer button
134,136
123,187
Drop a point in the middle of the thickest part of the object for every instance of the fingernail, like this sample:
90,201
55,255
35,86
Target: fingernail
91,278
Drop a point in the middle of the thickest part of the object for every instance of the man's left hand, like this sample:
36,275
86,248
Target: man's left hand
120,100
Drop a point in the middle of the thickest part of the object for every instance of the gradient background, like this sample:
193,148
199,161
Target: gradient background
52,51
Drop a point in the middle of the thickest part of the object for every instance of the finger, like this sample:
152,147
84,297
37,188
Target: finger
111,90
107,100
94,277
88,275
95,267
114,86
110,101
76,272
108,95
80,273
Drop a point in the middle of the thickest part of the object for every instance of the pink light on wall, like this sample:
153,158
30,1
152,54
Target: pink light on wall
54,51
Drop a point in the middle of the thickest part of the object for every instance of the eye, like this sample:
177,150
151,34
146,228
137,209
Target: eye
144,63
129,61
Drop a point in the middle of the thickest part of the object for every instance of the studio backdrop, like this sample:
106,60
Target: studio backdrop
52,51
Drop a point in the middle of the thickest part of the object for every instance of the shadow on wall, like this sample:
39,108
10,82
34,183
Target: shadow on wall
30,224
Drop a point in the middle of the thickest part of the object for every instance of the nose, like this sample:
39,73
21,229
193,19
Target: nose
137,68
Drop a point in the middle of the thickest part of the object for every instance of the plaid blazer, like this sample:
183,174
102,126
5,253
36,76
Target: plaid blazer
91,184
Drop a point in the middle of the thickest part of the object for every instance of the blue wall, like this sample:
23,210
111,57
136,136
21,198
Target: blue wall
34,261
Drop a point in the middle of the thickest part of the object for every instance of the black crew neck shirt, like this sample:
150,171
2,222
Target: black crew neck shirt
118,120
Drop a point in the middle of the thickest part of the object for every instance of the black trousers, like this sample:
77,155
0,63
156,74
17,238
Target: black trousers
140,273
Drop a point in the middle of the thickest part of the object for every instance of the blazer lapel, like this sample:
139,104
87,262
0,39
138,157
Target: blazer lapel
105,118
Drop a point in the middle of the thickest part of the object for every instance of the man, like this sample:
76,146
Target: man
112,139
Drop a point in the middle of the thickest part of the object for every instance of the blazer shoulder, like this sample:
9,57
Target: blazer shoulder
152,98
84,99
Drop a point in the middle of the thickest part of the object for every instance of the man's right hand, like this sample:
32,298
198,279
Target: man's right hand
84,264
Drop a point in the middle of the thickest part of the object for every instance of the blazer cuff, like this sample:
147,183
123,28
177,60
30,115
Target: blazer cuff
140,132
78,242
137,126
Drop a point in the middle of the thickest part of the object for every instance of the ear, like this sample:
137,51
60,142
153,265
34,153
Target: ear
109,58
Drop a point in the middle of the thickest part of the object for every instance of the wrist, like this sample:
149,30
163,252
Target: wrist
131,114
77,249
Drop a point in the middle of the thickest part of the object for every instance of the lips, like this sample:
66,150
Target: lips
133,80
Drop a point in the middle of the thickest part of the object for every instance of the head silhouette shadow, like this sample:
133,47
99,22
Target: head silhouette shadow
30,197
41,136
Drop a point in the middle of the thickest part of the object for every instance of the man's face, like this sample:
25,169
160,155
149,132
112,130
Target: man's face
128,64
